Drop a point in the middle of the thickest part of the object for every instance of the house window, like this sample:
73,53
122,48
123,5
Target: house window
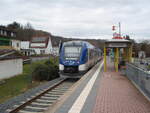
10,43
5,33
42,51
1,32
25,53
17,44
12,34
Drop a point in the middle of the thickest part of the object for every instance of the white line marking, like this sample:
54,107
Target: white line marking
77,106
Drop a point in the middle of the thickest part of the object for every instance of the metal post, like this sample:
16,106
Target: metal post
127,54
124,54
130,54
105,63
117,59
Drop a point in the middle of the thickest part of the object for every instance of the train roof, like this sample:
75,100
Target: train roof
79,43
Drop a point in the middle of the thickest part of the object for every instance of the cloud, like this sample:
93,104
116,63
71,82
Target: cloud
80,18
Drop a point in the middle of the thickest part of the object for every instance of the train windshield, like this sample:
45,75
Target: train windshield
72,53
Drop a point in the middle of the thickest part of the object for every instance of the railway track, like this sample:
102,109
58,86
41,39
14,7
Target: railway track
42,101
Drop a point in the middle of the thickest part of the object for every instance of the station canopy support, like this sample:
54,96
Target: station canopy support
121,49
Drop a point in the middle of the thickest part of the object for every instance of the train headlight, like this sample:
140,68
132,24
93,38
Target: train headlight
82,67
61,67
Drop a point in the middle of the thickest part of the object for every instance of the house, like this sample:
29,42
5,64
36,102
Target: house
16,44
55,45
41,44
27,52
8,39
25,48
56,50
25,44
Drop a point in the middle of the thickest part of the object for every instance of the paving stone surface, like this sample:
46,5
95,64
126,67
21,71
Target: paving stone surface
116,94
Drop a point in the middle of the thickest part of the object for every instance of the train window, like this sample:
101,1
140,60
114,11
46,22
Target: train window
72,52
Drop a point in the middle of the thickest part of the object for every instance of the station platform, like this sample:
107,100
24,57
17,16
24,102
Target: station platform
102,92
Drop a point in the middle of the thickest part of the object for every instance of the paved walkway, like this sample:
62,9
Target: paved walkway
116,94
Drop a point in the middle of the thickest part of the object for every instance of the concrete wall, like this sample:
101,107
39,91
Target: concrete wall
10,68
34,59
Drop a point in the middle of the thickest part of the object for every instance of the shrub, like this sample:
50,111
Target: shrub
40,72
47,71
53,68
148,67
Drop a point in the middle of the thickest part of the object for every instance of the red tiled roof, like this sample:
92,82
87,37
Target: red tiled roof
40,39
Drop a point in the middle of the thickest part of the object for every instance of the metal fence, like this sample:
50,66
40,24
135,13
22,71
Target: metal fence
140,77
142,63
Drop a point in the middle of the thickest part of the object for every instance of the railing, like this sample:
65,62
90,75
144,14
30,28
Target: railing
144,60
140,78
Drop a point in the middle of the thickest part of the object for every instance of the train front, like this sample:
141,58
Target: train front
72,60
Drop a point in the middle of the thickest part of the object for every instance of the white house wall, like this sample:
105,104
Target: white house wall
37,50
37,44
15,43
25,44
10,68
48,50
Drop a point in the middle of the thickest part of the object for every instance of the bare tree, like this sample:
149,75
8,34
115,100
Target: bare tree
28,26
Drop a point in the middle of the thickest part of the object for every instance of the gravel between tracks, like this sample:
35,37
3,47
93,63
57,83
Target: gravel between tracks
23,97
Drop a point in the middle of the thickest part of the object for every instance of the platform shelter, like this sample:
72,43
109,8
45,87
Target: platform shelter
121,48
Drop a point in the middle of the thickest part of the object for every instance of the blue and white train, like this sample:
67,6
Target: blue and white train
76,57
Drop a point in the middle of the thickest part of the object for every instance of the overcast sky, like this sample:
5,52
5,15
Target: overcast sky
80,18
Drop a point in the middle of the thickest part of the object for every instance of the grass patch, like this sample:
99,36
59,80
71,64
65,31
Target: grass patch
20,83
